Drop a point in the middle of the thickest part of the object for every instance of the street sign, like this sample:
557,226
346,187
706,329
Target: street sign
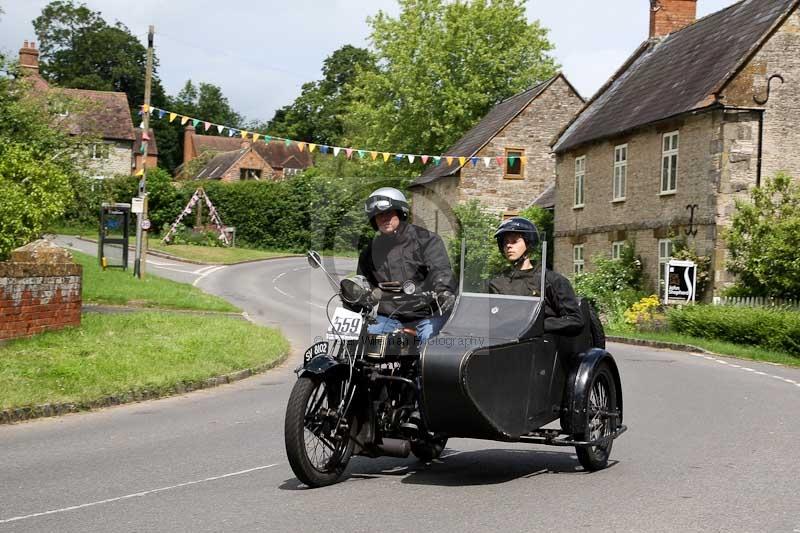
146,224
681,282
137,205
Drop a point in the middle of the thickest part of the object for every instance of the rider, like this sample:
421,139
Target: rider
517,239
405,252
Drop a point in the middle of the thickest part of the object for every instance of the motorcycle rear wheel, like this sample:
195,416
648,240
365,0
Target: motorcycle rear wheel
317,443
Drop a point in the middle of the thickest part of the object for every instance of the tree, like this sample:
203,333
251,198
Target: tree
764,240
79,49
36,165
316,115
441,67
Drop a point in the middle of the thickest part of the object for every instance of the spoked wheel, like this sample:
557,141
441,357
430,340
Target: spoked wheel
317,439
601,402
428,450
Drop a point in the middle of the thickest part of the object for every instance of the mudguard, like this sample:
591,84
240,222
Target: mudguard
323,366
577,388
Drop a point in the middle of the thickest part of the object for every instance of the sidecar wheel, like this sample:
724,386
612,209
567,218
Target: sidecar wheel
427,451
318,445
602,398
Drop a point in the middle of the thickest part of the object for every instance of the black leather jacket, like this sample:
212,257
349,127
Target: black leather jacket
562,312
411,253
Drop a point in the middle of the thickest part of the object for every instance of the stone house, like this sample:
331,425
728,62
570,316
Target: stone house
237,159
699,114
104,115
521,127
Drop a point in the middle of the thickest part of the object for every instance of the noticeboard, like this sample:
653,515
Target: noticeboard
681,282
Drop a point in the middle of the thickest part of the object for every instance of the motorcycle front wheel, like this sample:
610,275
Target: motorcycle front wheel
318,443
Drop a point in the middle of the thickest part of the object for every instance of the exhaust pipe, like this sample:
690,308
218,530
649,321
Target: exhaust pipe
395,448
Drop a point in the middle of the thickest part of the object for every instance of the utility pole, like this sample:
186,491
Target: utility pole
142,222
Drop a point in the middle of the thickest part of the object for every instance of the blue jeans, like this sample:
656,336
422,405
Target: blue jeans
426,327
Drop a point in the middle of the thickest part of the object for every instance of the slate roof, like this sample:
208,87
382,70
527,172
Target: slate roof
219,165
679,73
102,113
546,200
152,148
483,132
276,153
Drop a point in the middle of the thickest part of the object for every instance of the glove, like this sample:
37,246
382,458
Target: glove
446,301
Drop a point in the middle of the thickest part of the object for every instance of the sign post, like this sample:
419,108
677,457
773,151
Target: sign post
681,282
140,260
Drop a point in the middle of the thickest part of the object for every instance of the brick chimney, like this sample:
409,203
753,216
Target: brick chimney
667,16
29,58
188,132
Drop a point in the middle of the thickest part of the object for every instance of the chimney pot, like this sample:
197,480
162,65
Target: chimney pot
668,16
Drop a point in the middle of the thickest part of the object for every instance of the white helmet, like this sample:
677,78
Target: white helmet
386,199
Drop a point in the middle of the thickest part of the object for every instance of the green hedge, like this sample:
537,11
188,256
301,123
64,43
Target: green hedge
775,329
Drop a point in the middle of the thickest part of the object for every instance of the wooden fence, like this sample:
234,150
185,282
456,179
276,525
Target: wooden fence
756,301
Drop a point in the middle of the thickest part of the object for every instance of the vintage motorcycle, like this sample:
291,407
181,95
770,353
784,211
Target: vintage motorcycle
491,373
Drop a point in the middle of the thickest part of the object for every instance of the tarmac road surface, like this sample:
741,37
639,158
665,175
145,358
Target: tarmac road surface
712,446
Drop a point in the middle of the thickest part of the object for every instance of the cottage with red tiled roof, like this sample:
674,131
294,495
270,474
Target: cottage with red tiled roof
698,115
104,115
241,159
519,131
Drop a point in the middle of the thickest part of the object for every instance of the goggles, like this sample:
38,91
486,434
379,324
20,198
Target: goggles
378,203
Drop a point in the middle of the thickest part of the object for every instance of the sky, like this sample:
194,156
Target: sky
260,53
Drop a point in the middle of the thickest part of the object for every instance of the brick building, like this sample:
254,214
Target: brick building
236,159
103,115
690,123
522,126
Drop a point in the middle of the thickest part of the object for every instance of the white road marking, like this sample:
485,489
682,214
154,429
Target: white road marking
135,494
747,369
206,273
200,270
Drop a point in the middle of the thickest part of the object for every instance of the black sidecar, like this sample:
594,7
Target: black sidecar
492,373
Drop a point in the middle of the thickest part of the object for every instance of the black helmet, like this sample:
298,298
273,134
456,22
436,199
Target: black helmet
386,199
520,225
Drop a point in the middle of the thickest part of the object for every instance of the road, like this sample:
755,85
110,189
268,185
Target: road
712,446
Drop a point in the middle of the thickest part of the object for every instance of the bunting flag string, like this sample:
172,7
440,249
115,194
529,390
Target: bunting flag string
362,153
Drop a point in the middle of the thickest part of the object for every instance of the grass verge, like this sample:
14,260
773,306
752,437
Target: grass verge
213,255
121,288
740,351
112,354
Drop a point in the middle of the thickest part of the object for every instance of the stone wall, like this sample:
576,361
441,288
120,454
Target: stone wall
645,215
40,290
432,206
119,161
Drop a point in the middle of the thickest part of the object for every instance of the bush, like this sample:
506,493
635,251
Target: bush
771,328
483,260
646,315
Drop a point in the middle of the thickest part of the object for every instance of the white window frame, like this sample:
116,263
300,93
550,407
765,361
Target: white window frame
578,262
620,173
665,246
616,249
579,198
105,151
670,144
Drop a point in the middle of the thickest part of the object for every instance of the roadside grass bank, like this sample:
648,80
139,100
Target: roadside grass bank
214,255
739,351
113,286
157,353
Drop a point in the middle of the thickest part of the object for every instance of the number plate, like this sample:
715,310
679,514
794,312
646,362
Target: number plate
318,348
345,325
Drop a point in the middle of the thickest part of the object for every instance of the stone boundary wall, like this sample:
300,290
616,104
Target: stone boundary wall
40,290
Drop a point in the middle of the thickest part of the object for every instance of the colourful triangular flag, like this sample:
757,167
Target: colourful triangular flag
243,134
161,113
195,122
385,156
335,151
511,160
437,159
499,160
256,136
207,125
424,159
362,154
140,173
474,161
323,149
373,155
145,108
487,161
288,142
398,157
523,159
231,132
267,139
220,128
184,120
311,147
172,116
410,158
449,159
349,152
301,146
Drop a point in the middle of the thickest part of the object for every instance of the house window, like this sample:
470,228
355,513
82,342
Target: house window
620,171
98,151
249,174
664,255
669,163
515,166
580,174
577,259
292,171
616,249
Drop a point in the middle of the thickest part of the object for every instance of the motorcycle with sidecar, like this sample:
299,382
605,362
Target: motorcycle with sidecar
491,373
